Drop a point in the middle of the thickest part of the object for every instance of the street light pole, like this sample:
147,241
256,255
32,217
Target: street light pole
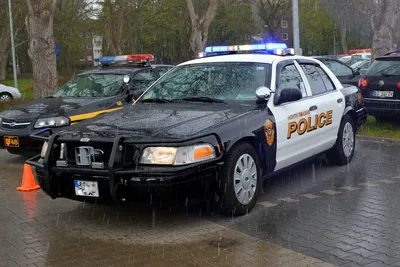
13,46
296,27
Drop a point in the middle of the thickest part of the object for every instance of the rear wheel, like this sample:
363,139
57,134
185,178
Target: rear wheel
240,180
5,97
343,150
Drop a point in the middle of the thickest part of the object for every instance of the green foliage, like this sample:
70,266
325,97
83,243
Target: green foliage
316,28
233,24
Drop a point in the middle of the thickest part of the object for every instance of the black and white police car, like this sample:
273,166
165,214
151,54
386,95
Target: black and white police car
232,118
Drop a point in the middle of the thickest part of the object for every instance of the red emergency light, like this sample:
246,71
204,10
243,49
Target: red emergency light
140,58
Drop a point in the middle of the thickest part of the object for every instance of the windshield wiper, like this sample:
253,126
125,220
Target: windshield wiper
202,99
155,100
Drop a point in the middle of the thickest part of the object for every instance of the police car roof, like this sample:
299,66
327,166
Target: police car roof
256,58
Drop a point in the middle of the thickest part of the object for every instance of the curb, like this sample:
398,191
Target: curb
377,139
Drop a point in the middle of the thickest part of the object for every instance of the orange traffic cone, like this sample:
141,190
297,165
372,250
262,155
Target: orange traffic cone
28,181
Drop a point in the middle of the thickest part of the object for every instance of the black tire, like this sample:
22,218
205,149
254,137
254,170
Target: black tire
230,204
337,153
26,154
3,95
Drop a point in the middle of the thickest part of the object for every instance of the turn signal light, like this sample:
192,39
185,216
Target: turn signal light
363,83
398,85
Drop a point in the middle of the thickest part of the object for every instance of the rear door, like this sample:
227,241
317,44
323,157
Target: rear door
383,77
328,108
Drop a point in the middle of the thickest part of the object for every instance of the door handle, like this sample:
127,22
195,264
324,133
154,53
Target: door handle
340,100
313,108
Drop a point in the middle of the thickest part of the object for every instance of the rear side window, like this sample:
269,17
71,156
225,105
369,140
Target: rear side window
317,78
384,68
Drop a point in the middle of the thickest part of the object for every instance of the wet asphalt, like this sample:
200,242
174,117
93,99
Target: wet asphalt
313,215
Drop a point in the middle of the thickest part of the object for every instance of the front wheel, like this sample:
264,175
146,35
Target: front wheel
343,150
240,180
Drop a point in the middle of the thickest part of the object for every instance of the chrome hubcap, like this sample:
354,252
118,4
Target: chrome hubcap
5,97
245,179
348,139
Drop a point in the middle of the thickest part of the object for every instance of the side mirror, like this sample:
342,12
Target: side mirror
263,93
287,95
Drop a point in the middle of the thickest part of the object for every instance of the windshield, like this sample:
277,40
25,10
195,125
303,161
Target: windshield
93,85
225,81
384,67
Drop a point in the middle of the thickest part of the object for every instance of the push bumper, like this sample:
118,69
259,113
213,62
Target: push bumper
116,183
382,107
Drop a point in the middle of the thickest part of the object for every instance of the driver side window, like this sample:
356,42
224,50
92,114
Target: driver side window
290,78
338,69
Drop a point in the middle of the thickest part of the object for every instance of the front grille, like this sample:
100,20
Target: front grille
11,124
70,152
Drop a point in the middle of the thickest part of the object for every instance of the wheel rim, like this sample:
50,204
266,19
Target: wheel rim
4,97
348,139
245,179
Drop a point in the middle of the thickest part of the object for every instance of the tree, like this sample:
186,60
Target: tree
383,18
41,50
18,9
271,13
201,23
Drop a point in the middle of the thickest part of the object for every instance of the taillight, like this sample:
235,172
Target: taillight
363,83
398,85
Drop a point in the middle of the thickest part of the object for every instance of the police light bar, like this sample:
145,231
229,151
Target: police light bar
274,48
129,59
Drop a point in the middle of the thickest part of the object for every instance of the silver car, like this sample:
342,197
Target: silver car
8,93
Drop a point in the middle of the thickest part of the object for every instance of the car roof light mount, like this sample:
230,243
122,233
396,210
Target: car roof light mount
280,49
130,60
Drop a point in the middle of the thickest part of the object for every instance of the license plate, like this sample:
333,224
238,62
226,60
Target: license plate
86,188
11,141
382,93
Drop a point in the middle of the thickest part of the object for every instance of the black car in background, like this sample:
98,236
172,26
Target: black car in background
115,84
343,72
380,87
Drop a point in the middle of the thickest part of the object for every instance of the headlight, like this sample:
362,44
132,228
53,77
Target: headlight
51,122
44,149
177,155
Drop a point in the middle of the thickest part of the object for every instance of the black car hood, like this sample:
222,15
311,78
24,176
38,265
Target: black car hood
159,121
50,107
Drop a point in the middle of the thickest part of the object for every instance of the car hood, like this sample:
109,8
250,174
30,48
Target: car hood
159,121
50,107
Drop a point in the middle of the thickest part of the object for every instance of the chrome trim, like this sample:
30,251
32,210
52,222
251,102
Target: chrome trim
13,124
383,99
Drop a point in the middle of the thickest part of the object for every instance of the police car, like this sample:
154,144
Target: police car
235,116
116,83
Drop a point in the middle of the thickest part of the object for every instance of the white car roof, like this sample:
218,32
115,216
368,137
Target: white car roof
255,58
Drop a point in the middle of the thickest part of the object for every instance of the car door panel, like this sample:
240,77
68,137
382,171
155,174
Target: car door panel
293,145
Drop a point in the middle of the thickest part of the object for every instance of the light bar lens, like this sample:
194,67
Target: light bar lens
139,58
249,47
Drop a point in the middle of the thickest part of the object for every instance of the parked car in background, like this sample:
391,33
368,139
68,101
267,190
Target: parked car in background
343,72
362,66
380,87
110,87
352,59
8,93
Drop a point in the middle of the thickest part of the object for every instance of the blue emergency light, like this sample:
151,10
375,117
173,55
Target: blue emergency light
274,48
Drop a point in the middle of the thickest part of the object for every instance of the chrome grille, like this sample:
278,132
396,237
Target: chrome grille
10,124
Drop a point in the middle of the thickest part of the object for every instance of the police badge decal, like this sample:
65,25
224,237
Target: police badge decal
269,131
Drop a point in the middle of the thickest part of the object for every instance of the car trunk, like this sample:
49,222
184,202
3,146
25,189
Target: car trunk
381,80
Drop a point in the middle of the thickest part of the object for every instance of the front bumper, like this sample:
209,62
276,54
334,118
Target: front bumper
382,107
26,142
362,115
117,182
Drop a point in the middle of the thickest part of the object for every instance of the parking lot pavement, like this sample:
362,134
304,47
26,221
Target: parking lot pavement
313,215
